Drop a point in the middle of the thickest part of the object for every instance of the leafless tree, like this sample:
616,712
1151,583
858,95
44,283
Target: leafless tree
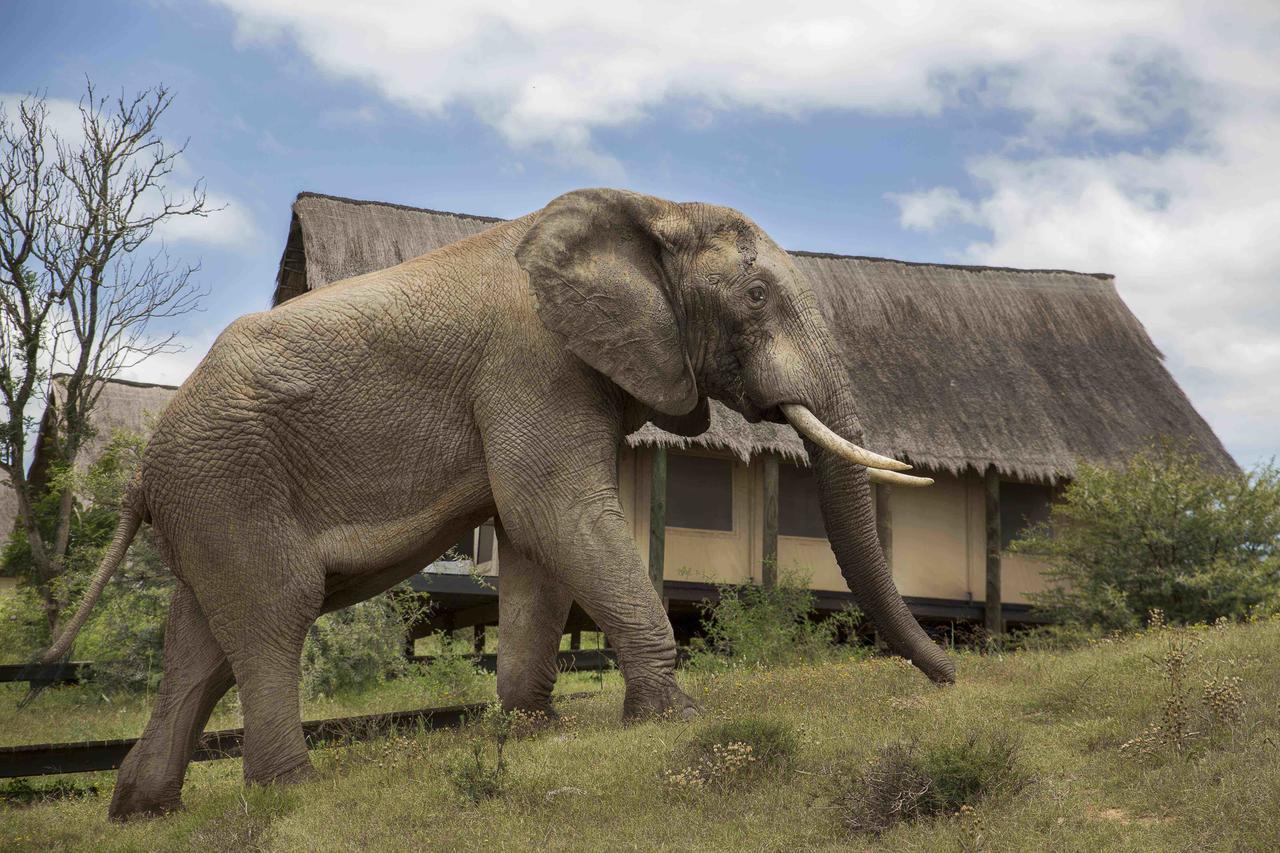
79,286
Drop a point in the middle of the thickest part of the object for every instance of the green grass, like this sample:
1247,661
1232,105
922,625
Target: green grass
1074,730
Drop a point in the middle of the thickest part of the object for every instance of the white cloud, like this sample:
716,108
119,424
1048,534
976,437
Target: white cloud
173,368
227,226
932,209
1191,234
553,72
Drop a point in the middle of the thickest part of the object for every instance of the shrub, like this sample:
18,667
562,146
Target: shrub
474,776
1190,718
756,626
1161,533
910,781
723,754
23,631
452,676
124,636
21,792
357,647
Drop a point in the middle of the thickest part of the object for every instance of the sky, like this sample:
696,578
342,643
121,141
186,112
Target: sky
1124,136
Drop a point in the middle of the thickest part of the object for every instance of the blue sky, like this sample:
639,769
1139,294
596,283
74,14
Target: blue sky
1110,136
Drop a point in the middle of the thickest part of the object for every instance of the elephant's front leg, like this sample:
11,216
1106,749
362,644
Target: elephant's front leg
581,535
532,608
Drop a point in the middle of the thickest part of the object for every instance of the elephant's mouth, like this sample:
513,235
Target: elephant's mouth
754,414
773,414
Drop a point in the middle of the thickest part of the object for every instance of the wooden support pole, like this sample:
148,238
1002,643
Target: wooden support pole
658,517
769,553
994,611
884,521
575,640
477,641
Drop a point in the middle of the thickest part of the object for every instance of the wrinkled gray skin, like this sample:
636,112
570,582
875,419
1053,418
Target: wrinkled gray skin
330,447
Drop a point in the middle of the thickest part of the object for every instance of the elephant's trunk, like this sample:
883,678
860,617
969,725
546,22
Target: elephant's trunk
847,509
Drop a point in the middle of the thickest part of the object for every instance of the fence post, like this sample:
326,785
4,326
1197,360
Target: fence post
994,611
769,553
658,517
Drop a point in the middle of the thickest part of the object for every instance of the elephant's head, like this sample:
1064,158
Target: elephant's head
680,302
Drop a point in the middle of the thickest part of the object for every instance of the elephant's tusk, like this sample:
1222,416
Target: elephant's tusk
808,425
892,478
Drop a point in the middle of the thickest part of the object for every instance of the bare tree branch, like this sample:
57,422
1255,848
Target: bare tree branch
77,293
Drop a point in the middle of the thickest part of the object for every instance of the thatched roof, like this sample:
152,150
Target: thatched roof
953,367
122,405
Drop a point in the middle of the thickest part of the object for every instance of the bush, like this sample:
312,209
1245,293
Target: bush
723,754
757,626
357,647
473,776
1195,712
909,781
452,676
124,636
23,631
1165,534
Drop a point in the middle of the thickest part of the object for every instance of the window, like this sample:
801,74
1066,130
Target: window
484,549
799,509
699,492
1022,506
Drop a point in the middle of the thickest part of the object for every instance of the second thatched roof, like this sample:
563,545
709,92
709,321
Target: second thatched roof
954,368
122,404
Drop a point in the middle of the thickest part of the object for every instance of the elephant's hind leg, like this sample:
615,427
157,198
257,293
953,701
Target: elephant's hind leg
532,608
262,631
196,675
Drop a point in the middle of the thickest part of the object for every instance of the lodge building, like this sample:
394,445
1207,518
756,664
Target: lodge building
995,382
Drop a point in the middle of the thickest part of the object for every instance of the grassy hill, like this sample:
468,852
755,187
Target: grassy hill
1167,741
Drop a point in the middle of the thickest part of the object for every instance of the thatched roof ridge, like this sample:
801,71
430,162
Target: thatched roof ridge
492,220
802,253
954,367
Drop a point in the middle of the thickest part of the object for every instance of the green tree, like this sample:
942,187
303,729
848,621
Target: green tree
124,636
1161,533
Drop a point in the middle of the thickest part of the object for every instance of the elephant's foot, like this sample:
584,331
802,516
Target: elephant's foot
665,701
527,700
293,774
131,800
534,711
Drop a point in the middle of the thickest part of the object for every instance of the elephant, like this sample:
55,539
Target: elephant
330,447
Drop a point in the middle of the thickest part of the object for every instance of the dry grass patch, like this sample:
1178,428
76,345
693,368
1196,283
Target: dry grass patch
724,754
908,780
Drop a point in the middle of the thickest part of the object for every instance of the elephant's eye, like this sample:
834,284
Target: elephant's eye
756,295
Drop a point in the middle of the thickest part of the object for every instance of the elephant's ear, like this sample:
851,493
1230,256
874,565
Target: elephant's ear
598,261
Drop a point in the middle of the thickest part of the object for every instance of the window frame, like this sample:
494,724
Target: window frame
734,526
797,536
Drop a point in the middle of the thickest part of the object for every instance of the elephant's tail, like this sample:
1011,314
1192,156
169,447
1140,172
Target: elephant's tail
131,513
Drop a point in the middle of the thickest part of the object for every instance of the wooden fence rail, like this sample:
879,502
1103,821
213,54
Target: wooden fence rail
71,672
46,759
